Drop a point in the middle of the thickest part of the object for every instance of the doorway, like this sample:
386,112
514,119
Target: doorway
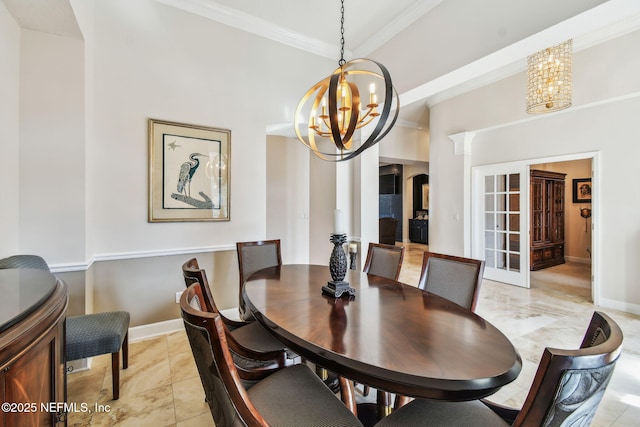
580,274
573,275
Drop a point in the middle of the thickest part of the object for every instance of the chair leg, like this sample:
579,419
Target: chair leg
348,395
125,352
384,404
115,374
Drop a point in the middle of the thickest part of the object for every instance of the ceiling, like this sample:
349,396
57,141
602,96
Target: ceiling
367,24
314,26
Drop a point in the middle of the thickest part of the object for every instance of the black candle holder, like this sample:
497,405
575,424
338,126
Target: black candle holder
338,268
353,256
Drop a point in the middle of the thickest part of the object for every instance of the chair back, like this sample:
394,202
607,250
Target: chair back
24,261
192,273
227,398
569,384
254,256
455,278
251,364
384,260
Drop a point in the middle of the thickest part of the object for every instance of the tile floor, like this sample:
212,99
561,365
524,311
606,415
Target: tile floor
161,387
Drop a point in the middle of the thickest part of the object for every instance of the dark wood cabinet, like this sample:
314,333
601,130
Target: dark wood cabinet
419,231
547,219
32,371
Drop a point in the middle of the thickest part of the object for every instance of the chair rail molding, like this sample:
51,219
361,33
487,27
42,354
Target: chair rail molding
69,267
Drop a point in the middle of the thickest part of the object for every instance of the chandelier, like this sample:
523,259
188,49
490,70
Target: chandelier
549,79
334,112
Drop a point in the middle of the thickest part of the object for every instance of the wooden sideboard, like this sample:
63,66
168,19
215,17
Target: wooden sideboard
547,219
32,367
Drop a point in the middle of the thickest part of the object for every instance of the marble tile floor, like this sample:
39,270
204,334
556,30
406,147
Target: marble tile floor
161,387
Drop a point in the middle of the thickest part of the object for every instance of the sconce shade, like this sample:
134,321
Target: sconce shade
549,79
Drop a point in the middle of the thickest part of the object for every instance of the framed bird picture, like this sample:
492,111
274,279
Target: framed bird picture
189,171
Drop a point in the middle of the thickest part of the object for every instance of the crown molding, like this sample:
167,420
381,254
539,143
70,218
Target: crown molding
252,24
260,27
386,33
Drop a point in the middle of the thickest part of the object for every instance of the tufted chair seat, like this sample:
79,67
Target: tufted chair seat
91,335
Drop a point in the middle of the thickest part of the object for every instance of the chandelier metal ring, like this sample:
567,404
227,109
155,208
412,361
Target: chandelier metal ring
340,129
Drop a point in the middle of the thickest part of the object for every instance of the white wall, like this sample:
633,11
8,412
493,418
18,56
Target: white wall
322,204
287,187
82,163
9,133
172,65
52,147
405,144
603,119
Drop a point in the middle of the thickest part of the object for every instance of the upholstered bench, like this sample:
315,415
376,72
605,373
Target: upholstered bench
100,333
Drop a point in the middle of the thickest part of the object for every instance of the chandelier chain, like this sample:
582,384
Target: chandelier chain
342,61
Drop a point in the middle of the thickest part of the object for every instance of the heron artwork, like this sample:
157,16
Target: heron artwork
187,170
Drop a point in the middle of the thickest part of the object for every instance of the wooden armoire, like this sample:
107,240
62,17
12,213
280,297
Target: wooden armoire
547,219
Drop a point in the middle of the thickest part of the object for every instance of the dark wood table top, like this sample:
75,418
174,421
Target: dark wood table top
23,290
391,336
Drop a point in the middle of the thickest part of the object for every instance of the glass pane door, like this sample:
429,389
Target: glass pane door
498,233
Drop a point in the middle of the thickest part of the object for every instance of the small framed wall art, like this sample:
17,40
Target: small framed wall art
189,172
582,190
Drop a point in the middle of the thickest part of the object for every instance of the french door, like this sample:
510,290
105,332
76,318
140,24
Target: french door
500,222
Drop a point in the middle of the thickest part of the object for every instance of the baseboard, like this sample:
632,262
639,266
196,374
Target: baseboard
577,260
619,305
143,332
79,365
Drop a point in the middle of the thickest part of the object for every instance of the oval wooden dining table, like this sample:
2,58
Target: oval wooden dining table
391,336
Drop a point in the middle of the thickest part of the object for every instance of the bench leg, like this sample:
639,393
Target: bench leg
125,352
115,374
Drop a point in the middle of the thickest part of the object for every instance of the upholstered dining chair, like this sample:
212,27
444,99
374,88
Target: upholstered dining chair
455,278
384,260
24,261
255,348
254,256
566,390
292,396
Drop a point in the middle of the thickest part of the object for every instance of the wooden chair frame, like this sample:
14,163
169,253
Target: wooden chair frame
369,259
220,346
553,364
194,275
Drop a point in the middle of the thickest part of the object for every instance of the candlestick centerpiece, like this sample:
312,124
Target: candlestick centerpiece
353,256
338,268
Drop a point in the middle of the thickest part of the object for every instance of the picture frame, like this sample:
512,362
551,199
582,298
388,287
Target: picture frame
189,172
582,190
